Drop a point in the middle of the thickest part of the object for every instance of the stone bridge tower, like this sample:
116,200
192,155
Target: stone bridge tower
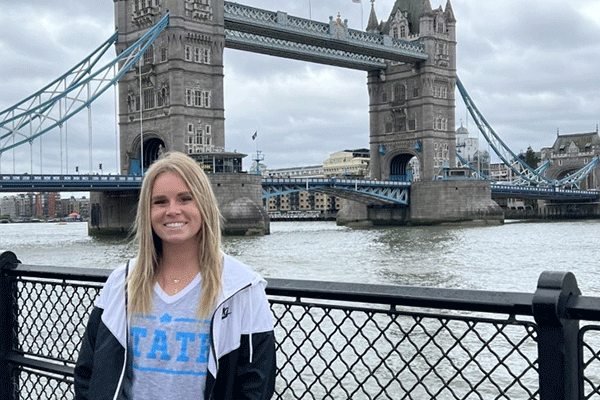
173,101
412,106
412,123
178,105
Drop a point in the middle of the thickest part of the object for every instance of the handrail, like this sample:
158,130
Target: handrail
513,303
547,319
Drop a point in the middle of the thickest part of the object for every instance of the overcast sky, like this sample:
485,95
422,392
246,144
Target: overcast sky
532,67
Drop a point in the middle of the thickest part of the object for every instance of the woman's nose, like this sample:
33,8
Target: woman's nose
173,209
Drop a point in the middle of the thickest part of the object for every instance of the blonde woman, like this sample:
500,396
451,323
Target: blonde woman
181,320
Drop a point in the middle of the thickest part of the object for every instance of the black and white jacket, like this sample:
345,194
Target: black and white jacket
242,355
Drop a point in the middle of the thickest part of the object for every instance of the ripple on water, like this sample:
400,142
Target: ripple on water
508,257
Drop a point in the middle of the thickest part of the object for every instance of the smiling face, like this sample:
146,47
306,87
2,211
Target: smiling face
174,214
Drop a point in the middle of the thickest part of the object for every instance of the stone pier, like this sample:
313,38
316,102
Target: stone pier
431,202
434,202
239,196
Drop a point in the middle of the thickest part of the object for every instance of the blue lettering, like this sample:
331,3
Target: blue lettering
204,347
159,344
137,333
184,337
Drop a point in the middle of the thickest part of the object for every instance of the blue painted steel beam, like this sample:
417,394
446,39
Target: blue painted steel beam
466,163
68,183
373,192
365,191
549,193
526,174
573,179
37,114
303,52
76,73
508,157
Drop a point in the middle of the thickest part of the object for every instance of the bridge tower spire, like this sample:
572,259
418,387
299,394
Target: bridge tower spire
412,106
373,24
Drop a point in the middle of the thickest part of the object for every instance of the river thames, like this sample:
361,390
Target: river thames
507,257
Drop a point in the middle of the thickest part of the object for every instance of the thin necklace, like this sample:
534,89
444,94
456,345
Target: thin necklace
176,281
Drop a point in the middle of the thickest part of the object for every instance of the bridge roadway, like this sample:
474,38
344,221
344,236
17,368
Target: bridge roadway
366,191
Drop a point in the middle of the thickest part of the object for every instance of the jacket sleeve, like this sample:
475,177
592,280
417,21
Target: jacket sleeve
85,360
256,379
255,372
240,378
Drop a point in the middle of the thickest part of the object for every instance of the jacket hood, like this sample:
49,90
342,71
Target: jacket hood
236,276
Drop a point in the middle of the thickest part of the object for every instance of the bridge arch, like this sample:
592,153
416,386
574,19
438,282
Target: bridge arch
400,167
589,182
154,146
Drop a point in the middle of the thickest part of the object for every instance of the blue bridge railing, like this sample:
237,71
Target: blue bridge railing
340,340
543,192
369,191
392,192
67,183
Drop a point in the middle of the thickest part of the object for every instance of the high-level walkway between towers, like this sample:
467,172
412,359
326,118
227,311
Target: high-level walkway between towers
278,34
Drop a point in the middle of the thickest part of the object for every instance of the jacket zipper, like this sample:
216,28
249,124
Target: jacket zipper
212,322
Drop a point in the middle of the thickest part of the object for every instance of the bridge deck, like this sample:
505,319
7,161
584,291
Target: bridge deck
368,191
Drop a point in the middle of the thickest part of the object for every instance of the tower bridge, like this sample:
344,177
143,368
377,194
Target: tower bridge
170,97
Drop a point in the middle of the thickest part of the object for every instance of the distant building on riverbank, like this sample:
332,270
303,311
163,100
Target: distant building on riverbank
349,164
570,153
45,206
468,148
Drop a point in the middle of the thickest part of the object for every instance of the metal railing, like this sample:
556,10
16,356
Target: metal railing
341,341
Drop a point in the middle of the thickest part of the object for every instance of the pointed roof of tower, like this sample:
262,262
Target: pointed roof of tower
414,10
426,8
372,24
449,12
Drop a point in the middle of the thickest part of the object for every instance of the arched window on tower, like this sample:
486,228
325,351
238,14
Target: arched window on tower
130,103
400,124
149,55
399,93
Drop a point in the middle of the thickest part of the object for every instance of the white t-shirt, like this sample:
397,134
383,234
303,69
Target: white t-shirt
170,347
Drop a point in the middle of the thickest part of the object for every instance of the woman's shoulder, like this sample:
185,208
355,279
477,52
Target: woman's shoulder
237,274
115,284
120,272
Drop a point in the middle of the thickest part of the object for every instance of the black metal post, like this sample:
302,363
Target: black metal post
8,260
557,340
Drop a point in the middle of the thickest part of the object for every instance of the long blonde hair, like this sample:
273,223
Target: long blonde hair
143,276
